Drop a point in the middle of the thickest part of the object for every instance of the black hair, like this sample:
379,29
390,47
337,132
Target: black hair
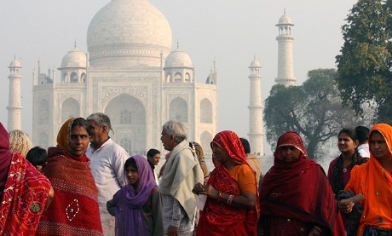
362,134
37,156
130,162
246,145
82,123
152,152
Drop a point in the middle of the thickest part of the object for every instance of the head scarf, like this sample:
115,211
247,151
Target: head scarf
290,139
129,203
230,141
63,139
386,131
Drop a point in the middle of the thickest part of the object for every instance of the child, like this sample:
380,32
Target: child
38,157
137,207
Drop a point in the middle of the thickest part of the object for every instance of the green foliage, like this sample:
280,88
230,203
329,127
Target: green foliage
314,110
364,62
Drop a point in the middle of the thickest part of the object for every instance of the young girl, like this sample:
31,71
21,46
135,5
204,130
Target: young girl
137,207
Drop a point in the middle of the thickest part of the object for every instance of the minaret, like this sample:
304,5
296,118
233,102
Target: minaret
256,133
285,52
14,100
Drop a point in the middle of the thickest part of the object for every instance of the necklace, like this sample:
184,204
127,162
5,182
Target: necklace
344,169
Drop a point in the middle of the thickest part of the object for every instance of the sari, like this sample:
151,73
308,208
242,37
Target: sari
219,218
24,192
74,210
375,183
130,219
295,197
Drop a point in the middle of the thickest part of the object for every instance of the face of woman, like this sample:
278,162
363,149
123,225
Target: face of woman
379,147
219,153
132,175
345,144
79,141
290,153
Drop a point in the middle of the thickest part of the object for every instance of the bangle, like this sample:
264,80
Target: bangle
230,199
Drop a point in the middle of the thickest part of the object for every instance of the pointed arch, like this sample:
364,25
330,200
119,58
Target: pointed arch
205,140
70,108
43,112
205,111
178,110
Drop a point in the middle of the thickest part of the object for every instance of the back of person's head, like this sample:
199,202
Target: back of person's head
246,145
37,156
19,142
349,132
362,134
152,152
100,119
176,129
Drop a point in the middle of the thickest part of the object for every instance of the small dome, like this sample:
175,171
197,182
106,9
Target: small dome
285,20
74,58
178,58
255,63
15,63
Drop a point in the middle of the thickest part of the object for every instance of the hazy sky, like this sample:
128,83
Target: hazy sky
231,32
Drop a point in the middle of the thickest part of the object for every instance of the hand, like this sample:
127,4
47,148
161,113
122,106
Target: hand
345,205
198,188
172,231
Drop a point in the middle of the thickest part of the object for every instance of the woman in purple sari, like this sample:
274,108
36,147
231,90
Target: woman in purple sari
137,207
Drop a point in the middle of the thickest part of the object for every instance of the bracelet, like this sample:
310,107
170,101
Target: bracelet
230,199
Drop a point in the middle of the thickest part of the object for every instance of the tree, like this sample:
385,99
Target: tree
314,110
364,62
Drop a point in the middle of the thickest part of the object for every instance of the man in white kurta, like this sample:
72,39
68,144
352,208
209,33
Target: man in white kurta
107,160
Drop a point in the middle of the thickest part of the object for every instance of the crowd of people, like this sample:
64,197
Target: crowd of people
89,185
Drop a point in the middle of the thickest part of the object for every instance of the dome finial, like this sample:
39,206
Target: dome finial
75,44
284,11
178,44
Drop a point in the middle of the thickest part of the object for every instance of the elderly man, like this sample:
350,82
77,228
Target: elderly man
181,173
107,166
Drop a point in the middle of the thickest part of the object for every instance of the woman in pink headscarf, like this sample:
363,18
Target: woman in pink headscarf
231,207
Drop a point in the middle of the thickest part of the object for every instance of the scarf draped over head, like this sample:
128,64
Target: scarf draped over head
299,190
63,139
290,139
375,183
24,192
129,202
230,141
218,218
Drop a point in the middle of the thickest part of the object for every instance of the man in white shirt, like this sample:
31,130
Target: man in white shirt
153,157
363,135
107,160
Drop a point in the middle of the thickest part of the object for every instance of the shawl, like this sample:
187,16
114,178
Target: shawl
74,210
128,212
299,190
375,183
181,174
218,218
5,157
25,192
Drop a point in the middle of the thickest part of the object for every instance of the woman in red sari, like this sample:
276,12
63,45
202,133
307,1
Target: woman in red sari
295,195
24,192
231,207
74,210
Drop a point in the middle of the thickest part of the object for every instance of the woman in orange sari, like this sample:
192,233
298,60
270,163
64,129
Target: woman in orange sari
370,185
231,207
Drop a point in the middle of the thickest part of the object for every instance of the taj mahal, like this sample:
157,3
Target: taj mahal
132,73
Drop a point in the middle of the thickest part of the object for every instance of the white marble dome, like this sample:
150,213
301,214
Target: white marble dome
127,33
15,63
255,63
178,58
74,58
285,20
